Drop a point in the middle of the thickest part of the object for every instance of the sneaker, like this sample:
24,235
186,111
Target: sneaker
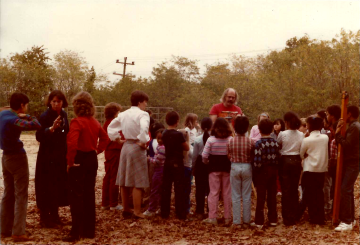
354,223
118,207
210,221
227,221
148,213
252,224
158,212
105,207
273,224
279,193
344,227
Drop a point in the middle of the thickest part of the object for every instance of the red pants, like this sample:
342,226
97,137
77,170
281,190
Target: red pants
110,191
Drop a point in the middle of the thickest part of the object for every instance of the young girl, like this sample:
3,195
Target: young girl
254,132
239,150
215,154
191,122
199,169
279,126
156,184
187,170
314,151
110,191
82,150
290,167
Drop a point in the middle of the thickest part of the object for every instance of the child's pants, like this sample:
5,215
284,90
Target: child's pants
265,183
187,173
241,179
219,180
202,186
110,191
156,186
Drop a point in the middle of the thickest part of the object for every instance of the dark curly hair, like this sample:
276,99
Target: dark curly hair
111,109
221,128
83,104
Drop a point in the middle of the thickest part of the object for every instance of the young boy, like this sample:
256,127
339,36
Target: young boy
175,144
265,171
350,171
15,167
239,150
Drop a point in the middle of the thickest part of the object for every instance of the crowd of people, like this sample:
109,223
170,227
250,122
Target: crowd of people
290,156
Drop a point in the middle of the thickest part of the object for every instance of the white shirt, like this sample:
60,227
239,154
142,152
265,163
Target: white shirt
290,141
192,134
154,145
316,147
134,124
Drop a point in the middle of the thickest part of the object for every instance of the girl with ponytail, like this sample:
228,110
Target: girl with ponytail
199,169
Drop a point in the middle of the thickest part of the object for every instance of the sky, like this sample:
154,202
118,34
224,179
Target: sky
149,32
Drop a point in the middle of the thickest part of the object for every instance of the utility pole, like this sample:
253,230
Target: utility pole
124,63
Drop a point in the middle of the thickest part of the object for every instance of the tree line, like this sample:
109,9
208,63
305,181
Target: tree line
306,76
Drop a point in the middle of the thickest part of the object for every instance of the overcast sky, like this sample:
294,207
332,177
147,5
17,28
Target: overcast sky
148,32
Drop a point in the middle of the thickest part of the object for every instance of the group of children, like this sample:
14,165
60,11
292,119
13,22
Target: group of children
278,156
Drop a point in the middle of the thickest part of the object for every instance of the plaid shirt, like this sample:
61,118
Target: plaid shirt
333,149
239,149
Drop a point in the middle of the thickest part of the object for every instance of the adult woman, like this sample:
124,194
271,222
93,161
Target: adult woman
133,169
83,147
50,175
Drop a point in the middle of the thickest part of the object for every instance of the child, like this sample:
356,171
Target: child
215,154
175,144
15,167
303,128
279,126
191,122
110,191
239,151
83,147
187,170
254,132
314,151
199,169
264,175
158,162
290,167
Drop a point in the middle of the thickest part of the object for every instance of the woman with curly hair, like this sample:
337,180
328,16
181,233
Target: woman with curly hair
133,168
83,147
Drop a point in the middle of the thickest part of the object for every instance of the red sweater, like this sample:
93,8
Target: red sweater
83,136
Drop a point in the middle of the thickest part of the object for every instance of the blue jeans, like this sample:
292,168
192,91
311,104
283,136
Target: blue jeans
15,198
240,180
350,173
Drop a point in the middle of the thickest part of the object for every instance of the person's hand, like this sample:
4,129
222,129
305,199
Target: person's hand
142,145
70,166
57,123
120,141
22,115
339,126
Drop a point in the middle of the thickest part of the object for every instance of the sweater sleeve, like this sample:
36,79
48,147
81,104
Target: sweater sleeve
29,123
352,138
144,128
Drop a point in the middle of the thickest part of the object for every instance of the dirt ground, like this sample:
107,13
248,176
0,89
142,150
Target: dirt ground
112,229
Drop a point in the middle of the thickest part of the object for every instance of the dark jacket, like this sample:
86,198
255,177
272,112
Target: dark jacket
350,142
51,174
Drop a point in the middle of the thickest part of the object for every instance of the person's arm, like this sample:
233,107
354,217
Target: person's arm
257,156
280,139
27,122
72,142
303,149
206,151
103,140
252,133
114,128
229,149
195,153
352,137
144,128
44,133
213,117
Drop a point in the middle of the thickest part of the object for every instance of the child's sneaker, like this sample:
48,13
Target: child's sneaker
148,213
344,227
210,221
118,207
273,224
158,212
279,193
252,224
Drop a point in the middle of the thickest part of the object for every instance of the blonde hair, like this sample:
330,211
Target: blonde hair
263,114
187,138
190,120
222,99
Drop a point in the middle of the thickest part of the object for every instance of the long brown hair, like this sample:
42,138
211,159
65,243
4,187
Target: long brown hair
190,120
83,104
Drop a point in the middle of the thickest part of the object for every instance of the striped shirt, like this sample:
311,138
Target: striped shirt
333,150
215,146
159,158
239,149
